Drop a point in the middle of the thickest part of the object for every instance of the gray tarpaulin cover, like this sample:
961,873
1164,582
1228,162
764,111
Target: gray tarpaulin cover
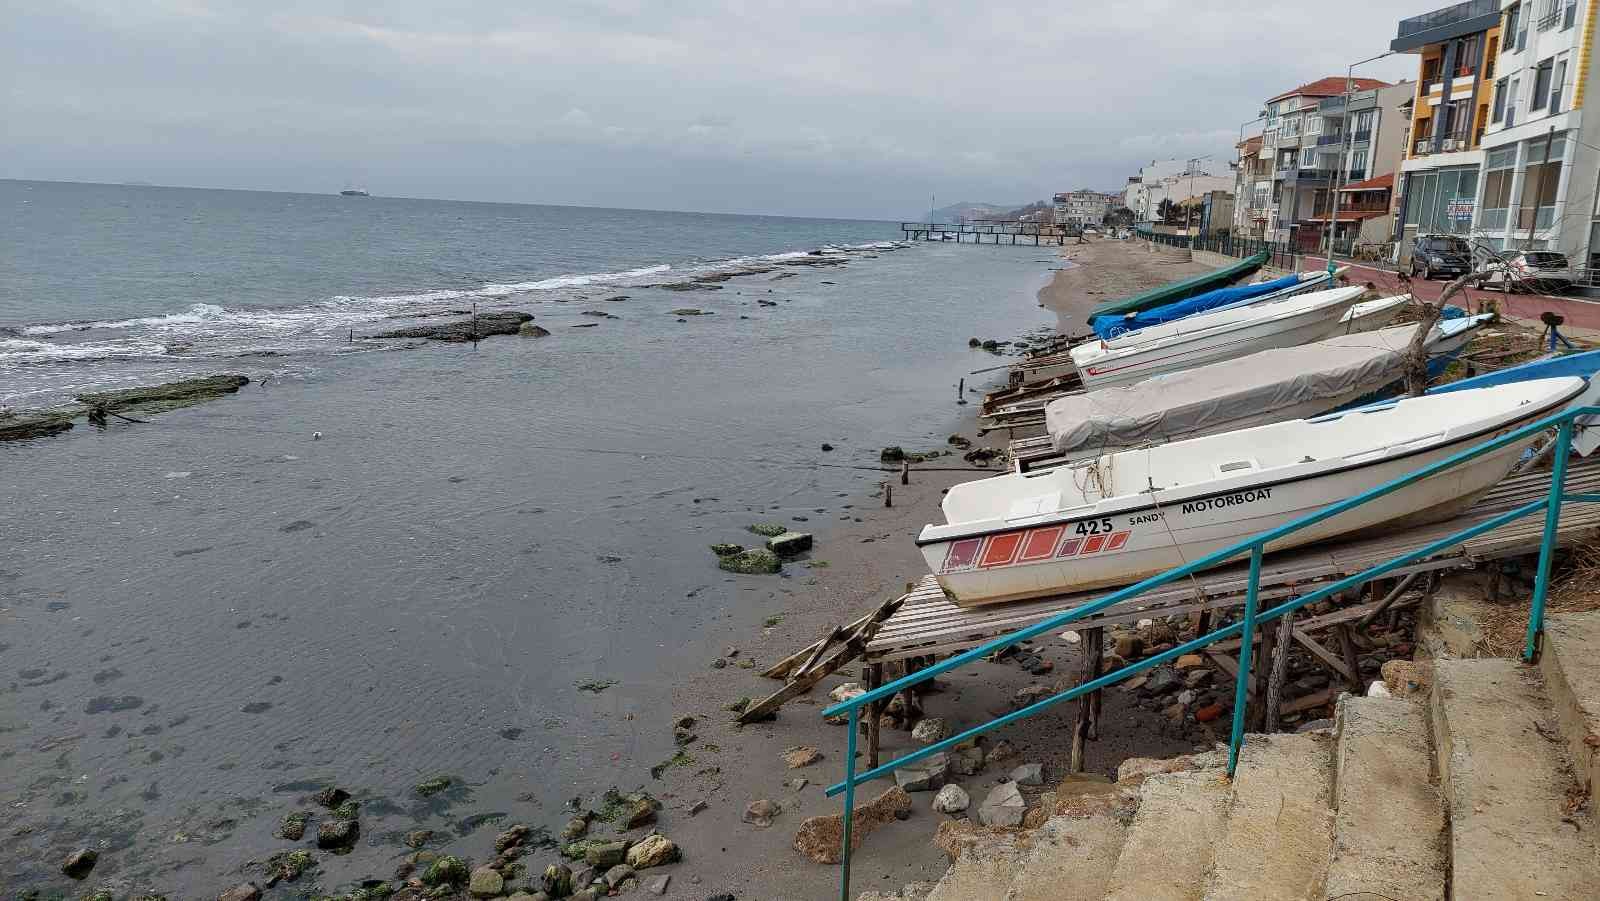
1230,395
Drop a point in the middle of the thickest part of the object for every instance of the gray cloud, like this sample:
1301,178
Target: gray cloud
814,108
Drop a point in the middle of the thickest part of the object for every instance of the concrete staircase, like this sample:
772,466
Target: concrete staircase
1474,788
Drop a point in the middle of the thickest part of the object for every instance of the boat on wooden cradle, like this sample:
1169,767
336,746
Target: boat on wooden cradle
1110,326
1269,386
1117,518
1209,337
1182,289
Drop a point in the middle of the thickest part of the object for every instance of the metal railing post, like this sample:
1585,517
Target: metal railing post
1241,688
849,804
1547,547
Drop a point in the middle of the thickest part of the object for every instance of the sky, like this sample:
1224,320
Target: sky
808,108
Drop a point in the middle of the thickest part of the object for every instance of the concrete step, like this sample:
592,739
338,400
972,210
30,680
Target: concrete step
1070,860
1570,661
983,869
1167,853
1280,829
1507,786
1389,830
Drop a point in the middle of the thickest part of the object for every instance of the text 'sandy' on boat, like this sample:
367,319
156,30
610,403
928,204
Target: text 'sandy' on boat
1121,517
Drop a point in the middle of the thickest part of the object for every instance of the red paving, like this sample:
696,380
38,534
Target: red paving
1580,313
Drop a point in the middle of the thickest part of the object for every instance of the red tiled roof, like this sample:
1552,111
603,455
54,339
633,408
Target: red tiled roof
1332,86
1251,145
1380,183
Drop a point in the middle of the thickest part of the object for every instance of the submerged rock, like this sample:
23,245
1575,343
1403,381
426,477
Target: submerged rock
335,834
768,529
508,322
432,786
80,862
26,424
757,561
529,330
169,396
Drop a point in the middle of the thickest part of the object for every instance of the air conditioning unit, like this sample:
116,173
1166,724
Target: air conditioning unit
1448,145
1422,146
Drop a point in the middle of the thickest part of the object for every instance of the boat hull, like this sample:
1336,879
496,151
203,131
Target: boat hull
1125,547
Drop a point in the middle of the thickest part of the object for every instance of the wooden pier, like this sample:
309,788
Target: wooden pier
994,230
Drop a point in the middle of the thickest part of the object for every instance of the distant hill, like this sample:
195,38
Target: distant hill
968,210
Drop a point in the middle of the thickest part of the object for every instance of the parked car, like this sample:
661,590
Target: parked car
1433,255
1544,271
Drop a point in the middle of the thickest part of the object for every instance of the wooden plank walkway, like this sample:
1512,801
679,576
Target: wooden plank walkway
930,623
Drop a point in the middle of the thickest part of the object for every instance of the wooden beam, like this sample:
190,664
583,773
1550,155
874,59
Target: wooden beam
1352,660
875,714
1280,670
1326,656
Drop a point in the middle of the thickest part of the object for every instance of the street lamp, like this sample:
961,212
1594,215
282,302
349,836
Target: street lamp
1338,175
1238,168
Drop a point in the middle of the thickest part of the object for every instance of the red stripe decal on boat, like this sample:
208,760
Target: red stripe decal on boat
1118,539
1002,549
1041,543
962,554
1094,544
1069,547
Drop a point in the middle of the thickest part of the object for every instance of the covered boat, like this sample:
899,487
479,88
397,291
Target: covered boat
1269,386
1118,518
1111,326
1209,337
1181,289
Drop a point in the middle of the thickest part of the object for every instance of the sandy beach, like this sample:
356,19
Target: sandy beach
1105,269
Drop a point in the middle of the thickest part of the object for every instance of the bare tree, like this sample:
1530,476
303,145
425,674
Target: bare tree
1417,353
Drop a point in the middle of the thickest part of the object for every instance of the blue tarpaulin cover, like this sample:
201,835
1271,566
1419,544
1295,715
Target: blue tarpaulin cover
1111,325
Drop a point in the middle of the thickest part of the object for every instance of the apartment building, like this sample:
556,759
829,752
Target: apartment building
1082,207
1252,189
1304,159
1174,180
1537,189
1369,134
1457,49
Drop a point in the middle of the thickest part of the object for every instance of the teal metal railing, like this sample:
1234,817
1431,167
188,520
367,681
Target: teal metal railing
1244,628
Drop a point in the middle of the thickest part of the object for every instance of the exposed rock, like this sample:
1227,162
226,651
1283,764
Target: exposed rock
761,813
820,837
80,862
930,730
529,330
447,869
1028,774
1004,806
657,885
557,881
789,543
486,882
1189,661
800,755
1030,694
641,811
951,799
1161,680
331,797
768,529
418,837
618,875
757,561
336,833
652,851
293,827
927,774
483,325
511,837
966,761
349,810
244,892
1195,678
289,865
16,426
604,855
433,786
169,396
575,828
1406,677
1208,713
1126,645
1002,750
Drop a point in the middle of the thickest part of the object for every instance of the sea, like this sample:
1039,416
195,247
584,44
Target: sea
387,560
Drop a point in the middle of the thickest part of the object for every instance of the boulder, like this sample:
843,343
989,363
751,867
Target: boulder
930,730
618,875
486,882
331,797
337,833
726,550
80,862
951,799
789,543
244,892
293,826
641,811
604,855
575,829
762,813
447,869
1003,807
800,755
767,529
1028,774
508,322
653,851
289,865
821,837
928,774
757,561
529,330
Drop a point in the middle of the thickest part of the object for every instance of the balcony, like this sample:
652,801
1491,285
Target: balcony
1443,24
1326,140
1362,137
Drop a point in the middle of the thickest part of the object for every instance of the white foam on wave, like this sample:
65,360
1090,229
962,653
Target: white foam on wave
200,312
505,290
22,350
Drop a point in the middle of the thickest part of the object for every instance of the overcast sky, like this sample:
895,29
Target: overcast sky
852,109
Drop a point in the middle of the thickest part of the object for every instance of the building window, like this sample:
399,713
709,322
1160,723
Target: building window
1511,102
1498,167
1499,100
1513,12
1308,158
1541,181
1541,85
1522,29
1571,15
1314,125
1358,161
1467,55
1556,82
1291,127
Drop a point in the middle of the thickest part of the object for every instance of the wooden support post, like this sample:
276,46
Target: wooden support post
1261,672
1280,670
961,391
874,715
1347,648
888,494
905,472
1088,672
1096,697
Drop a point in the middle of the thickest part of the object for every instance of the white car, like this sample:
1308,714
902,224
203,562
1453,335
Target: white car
1542,271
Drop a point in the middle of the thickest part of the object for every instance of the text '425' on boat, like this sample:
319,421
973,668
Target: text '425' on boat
1117,518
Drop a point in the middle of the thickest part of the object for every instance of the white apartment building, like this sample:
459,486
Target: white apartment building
1081,208
1175,180
1538,184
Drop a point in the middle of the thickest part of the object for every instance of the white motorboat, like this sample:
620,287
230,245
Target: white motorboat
1219,335
1269,386
1118,518
1371,315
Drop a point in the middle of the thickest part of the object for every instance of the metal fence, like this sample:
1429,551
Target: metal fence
1280,255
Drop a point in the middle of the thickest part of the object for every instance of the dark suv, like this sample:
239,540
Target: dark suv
1433,255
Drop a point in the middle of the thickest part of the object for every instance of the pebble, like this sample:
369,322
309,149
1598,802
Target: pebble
761,813
1028,774
951,799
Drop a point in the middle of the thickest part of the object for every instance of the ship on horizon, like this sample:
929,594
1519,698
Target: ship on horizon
354,192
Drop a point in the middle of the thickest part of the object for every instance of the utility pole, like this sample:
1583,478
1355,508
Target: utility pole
1334,182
